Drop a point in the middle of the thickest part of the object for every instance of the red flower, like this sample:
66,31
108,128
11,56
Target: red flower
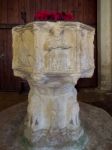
53,16
41,15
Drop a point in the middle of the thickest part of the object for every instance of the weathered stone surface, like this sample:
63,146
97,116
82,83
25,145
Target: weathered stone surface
96,122
52,56
44,48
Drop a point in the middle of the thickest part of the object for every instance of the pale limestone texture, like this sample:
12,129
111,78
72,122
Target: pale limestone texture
104,44
52,56
96,122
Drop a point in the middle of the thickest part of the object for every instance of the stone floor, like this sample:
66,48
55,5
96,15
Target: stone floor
96,122
91,96
94,97
97,98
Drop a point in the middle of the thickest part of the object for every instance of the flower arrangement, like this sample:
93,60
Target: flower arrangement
44,15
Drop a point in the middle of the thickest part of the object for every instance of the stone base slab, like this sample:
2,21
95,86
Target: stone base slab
96,122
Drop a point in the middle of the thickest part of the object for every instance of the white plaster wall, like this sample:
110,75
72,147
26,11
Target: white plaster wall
104,25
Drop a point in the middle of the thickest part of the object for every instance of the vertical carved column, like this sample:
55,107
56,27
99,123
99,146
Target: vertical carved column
53,115
52,56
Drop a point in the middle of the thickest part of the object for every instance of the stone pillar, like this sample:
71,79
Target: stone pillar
104,21
53,115
52,56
